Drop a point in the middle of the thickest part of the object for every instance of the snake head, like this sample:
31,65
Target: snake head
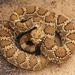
37,35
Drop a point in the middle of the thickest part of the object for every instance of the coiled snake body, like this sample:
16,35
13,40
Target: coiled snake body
46,24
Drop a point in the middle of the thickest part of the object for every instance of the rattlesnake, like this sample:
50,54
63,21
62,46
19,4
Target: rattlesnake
46,24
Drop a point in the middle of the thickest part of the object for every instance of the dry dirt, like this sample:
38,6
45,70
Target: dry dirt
64,7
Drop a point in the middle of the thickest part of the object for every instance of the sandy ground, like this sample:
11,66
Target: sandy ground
63,7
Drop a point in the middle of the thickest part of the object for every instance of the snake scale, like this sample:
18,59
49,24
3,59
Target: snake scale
45,23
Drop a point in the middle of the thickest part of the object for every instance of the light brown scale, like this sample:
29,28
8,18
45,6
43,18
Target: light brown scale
49,43
5,43
49,53
30,10
41,11
11,60
13,17
49,30
19,11
61,19
71,47
10,52
5,33
49,19
7,25
19,24
69,26
21,58
60,52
